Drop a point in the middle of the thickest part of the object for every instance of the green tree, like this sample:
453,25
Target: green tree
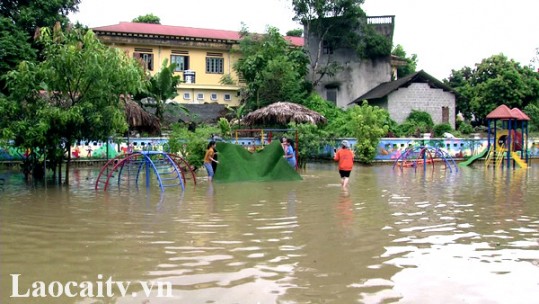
191,145
148,18
161,87
532,110
495,81
411,62
311,140
369,125
14,46
19,21
272,68
337,24
237,112
295,33
73,94
460,81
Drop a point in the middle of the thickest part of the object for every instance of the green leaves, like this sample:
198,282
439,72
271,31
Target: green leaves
495,81
148,18
411,62
162,87
368,123
73,94
272,68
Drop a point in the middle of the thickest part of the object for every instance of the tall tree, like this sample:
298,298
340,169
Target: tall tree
411,62
336,24
273,69
494,81
148,18
161,87
19,21
73,94
460,81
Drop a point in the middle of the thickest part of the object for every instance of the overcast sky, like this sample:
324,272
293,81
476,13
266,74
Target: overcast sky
445,35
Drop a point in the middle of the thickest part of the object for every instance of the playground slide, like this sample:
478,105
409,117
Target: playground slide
473,158
519,160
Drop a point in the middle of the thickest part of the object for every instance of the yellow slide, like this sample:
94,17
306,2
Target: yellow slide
519,160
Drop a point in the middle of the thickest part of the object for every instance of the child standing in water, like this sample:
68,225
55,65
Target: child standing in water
208,159
289,153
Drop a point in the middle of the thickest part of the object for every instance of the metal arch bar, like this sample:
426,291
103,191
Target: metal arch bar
148,161
181,159
105,167
176,169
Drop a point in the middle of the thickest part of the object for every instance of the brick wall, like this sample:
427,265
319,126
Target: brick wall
421,97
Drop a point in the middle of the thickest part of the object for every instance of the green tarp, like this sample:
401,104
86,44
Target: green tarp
237,164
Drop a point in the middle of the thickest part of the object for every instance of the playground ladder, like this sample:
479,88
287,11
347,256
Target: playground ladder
500,157
490,157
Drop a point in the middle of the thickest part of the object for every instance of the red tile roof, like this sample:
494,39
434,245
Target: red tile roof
519,114
504,112
182,31
501,112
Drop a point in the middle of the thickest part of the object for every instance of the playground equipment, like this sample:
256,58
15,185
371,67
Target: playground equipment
423,156
128,169
498,152
510,144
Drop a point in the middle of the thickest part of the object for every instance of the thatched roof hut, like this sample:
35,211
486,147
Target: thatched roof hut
283,113
140,120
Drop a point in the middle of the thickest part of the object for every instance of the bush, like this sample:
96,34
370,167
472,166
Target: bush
224,126
440,129
465,128
191,145
412,129
420,117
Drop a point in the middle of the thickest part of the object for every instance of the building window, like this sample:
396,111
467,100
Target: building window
145,58
228,97
213,96
327,48
182,62
214,65
331,95
445,114
200,96
186,96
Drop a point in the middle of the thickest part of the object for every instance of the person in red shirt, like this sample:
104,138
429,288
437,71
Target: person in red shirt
345,157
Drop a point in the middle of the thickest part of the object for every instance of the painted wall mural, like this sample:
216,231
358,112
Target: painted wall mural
388,149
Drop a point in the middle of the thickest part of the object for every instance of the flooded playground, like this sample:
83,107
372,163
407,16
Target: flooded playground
397,236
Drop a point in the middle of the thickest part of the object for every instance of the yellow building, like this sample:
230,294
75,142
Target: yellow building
204,57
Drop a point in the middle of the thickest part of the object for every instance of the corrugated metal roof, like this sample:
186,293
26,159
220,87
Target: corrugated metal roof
179,31
386,88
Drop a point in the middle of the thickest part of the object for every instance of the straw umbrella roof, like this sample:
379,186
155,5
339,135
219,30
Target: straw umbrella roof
139,119
282,113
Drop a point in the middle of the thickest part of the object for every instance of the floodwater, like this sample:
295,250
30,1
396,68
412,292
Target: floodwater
470,236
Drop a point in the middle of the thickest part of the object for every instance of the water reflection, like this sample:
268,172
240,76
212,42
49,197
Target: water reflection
395,236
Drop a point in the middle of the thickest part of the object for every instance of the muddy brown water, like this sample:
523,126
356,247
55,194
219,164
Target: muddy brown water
408,236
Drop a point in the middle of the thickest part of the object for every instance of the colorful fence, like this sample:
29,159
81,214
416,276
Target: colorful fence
388,148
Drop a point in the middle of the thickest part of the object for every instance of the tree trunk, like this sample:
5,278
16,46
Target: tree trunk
60,172
67,164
